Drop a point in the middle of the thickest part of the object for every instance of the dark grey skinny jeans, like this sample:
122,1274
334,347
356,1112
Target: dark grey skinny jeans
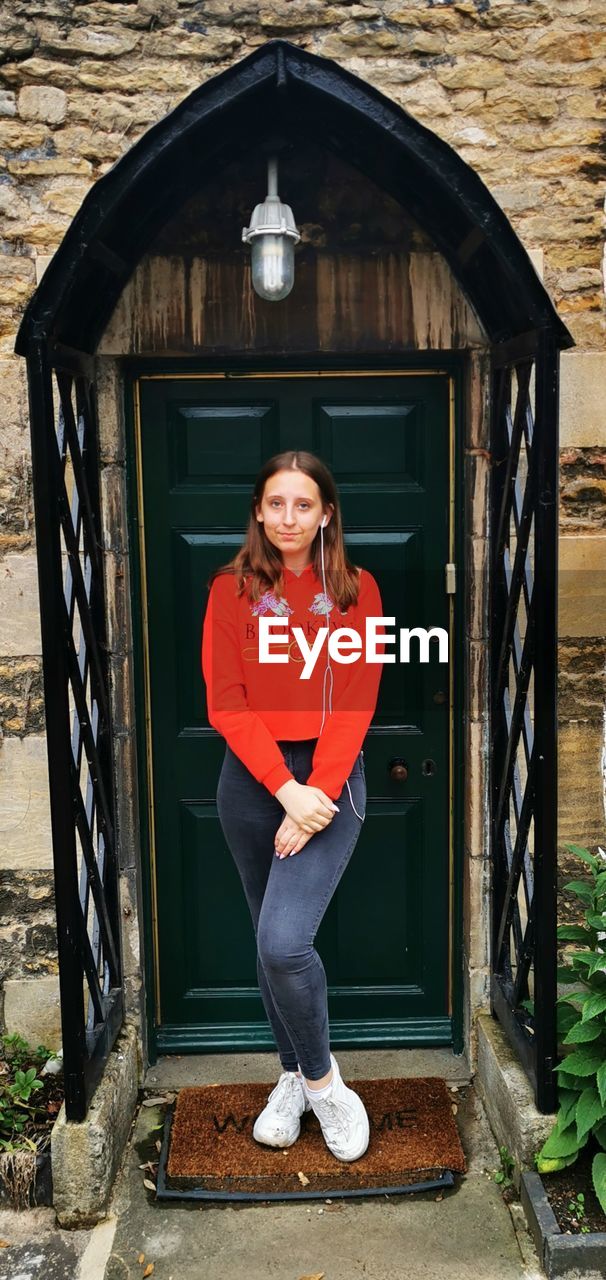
288,897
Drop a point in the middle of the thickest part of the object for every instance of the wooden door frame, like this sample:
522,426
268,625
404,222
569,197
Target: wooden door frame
450,364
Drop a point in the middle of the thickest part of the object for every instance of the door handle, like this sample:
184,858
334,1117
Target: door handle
398,770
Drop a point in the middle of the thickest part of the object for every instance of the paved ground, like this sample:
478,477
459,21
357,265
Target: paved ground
470,1233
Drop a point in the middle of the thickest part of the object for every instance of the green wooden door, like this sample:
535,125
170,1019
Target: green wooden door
385,938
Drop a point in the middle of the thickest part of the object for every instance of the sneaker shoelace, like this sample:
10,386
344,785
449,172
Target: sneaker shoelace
340,1113
282,1094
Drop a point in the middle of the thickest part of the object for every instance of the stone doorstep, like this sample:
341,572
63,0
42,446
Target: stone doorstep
176,1071
86,1155
559,1253
507,1096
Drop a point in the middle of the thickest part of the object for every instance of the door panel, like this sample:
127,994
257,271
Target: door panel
385,937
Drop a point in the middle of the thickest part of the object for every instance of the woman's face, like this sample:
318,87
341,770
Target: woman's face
291,511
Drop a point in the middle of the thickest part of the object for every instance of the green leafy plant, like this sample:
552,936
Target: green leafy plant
503,1175
17,1105
576,1207
581,1023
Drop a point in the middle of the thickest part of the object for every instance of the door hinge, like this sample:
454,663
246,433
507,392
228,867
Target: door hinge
451,578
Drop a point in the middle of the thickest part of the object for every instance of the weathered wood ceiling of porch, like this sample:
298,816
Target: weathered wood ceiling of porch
367,277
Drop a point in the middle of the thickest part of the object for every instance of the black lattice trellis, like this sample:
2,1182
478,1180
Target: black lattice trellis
523,639
78,722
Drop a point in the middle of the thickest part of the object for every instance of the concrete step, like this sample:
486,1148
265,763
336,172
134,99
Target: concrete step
177,1071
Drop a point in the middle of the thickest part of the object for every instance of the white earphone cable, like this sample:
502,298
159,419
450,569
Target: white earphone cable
328,668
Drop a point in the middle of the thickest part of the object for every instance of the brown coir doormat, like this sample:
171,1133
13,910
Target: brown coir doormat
208,1151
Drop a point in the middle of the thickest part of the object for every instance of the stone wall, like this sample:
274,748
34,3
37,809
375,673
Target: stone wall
515,86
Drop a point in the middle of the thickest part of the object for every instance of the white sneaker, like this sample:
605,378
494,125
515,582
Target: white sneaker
343,1118
279,1124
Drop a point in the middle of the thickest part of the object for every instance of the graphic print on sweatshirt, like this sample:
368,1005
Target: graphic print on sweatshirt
270,603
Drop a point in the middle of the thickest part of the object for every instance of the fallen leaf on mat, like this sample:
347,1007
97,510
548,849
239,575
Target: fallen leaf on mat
153,1102
317,1275
304,1183
151,1186
149,1268
141,1258
5,1244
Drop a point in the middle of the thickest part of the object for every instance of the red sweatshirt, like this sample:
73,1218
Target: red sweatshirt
254,704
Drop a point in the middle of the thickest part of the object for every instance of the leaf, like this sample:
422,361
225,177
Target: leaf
149,1268
141,1258
564,973
598,1171
584,1062
582,1032
589,1111
566,1017
317,1275
302,1179
600,883
584,855
581,888
601,1082
599,1134
575,933
596,920
153,1102
151,1186
579,959
560,1143
554,1166
596,1003
567,1099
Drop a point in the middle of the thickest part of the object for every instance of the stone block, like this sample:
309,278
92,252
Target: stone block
476,813
110,410
477,587
476,911
477,406
19,606
127,801
119,637
507,1096
477,489
21,696
581,783
42,102
8,103
476,673
582,679
582,585
583,490
122,677
113,509
86,1155
32,1009
24,803
582,398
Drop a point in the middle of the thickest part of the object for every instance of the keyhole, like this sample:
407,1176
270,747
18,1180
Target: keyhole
428,768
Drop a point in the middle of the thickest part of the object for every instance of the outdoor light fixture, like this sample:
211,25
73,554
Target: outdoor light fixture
272,235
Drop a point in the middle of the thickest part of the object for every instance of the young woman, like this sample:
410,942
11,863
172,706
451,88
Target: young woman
291,796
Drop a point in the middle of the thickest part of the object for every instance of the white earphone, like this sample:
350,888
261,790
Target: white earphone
329,668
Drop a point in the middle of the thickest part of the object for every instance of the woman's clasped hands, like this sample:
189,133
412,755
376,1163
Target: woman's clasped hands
307,810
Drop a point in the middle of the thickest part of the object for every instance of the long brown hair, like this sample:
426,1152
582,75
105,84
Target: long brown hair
261,562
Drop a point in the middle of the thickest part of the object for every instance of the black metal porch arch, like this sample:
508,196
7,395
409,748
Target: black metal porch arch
311,97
